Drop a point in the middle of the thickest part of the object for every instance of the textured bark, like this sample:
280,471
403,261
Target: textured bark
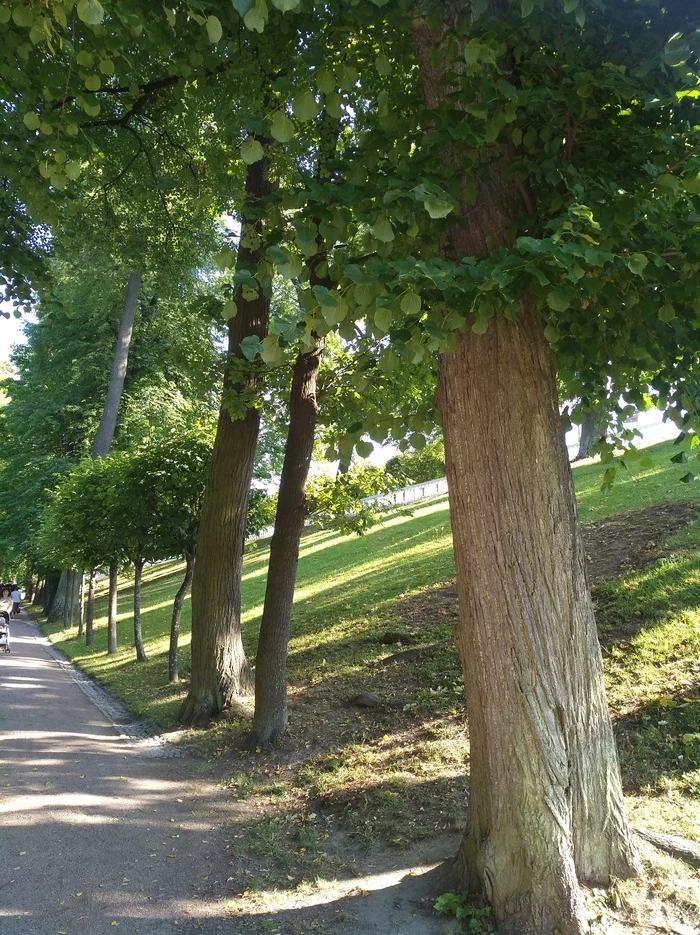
591,433
546,808
58,600
220,671
70,599
50,586
29,589
112,608
90,611
110,412
138,634
81,602
174,653
270,719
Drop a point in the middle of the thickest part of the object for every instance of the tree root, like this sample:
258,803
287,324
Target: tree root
680,848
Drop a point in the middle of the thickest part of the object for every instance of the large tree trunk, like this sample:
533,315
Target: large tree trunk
220,671
50,588
90,610
59,599
138,633
546,808
545,805
592,430
174,653
112,611
270,720
110,412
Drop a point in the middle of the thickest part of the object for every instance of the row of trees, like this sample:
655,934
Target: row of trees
501,187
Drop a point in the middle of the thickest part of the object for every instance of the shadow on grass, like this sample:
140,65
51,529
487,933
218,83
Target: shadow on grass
660,741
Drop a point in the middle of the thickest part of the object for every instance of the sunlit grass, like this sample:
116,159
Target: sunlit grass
346,587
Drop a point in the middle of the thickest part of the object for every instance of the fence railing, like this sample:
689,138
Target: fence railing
410,494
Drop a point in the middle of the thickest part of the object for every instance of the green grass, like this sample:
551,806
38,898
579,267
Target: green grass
396,774
346,587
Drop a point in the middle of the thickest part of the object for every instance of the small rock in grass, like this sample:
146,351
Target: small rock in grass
364,700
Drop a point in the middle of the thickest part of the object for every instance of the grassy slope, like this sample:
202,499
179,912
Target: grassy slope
391,774
344,583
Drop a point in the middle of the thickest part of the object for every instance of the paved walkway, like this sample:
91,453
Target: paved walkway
101,833
97,829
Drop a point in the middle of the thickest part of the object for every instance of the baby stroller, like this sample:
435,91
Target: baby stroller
5,631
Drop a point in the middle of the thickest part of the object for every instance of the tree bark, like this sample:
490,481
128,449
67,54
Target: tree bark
112,612
90,610
68,603
220,671
59,599
50,587
138,633
81,602
591,433
110,412
29,589
174,653
546,808
270,719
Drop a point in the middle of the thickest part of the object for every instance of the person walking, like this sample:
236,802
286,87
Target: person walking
16,598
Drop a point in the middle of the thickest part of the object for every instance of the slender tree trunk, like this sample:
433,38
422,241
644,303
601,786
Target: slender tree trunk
591,433
220,671
90,610
173,655
29,589
138,634
270,720
68,600
112,612
545,808
81,602
110,412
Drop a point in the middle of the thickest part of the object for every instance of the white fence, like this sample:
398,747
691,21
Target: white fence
430,488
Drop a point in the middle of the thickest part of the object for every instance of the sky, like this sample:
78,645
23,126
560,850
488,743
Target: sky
10,331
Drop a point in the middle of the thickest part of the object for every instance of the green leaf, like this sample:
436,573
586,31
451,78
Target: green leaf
225,259
256,18
557,302
31,120
383,230
214,29
526,7
242,6
251,346
480,326
281,127
325,81
551,334
324,297
333,105
90,12
364,449
93,83
252,151
271,352
667,312
383,318
347,77
417,440
410,303
304,105
72,169
286,5
637,263
437,209
382,64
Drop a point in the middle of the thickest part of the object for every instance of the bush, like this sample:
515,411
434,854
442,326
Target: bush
416,467
335,501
